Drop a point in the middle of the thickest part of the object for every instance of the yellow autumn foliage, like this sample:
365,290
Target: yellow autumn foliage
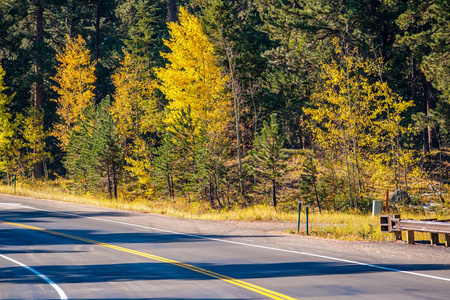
134,107
75,80
357,117
192,77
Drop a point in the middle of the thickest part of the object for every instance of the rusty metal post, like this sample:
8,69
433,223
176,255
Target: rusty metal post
434,237
410,237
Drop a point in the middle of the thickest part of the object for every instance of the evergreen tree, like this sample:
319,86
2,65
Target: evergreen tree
82,152
143,27
268,158
111,158
94,150
164,164
183,134
425,26
308,187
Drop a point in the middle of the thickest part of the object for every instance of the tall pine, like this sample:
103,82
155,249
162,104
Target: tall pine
268,158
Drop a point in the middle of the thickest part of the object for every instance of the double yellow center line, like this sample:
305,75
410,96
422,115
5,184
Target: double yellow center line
243,284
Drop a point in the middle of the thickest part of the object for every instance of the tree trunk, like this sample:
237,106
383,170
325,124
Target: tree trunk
114,169
433,132
274,193
38,87
109,182
317,196
172,11
97,46
237,114
168,186
426,131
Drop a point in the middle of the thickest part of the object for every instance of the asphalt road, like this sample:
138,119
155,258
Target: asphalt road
53,250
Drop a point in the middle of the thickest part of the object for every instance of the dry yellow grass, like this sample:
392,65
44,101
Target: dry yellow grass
345,226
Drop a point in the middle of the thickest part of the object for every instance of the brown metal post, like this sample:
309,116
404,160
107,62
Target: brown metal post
434,238
410,237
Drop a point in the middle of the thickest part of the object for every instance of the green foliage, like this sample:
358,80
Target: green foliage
94,151
268,158
142,26
308,187
164,165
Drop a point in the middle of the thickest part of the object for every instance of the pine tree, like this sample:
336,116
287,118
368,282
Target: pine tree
308,187
111,158
82,152
164,167
94,150
268,158
183,134
143,26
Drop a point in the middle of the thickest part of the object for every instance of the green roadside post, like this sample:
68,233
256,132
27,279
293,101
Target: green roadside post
307,221
299,210
15,180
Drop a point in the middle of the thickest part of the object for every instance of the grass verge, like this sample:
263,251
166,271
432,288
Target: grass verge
335,225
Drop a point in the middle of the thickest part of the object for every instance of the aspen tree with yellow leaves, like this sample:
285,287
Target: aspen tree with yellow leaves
192,77
6,126
357,118
134,102
32,130
75,80
134,111
194,84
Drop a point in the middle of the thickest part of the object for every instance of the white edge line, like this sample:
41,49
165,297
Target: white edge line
249,245
61,293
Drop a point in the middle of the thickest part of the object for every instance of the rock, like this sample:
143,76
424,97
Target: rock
399,196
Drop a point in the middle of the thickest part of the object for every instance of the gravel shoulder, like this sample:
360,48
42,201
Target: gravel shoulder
268,234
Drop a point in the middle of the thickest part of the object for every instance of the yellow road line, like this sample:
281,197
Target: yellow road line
243,284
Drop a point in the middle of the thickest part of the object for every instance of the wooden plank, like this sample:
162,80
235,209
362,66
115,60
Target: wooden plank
434,238
447,240
410,237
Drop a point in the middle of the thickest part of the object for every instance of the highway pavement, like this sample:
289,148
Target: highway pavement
54,250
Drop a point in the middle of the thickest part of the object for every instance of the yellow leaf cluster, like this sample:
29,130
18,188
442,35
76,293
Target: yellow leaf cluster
347,107
6,130
192,77
134,107
75,80
357,116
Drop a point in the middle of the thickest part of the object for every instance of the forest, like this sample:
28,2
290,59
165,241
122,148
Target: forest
228,103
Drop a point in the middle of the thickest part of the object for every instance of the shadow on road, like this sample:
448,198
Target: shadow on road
86,269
